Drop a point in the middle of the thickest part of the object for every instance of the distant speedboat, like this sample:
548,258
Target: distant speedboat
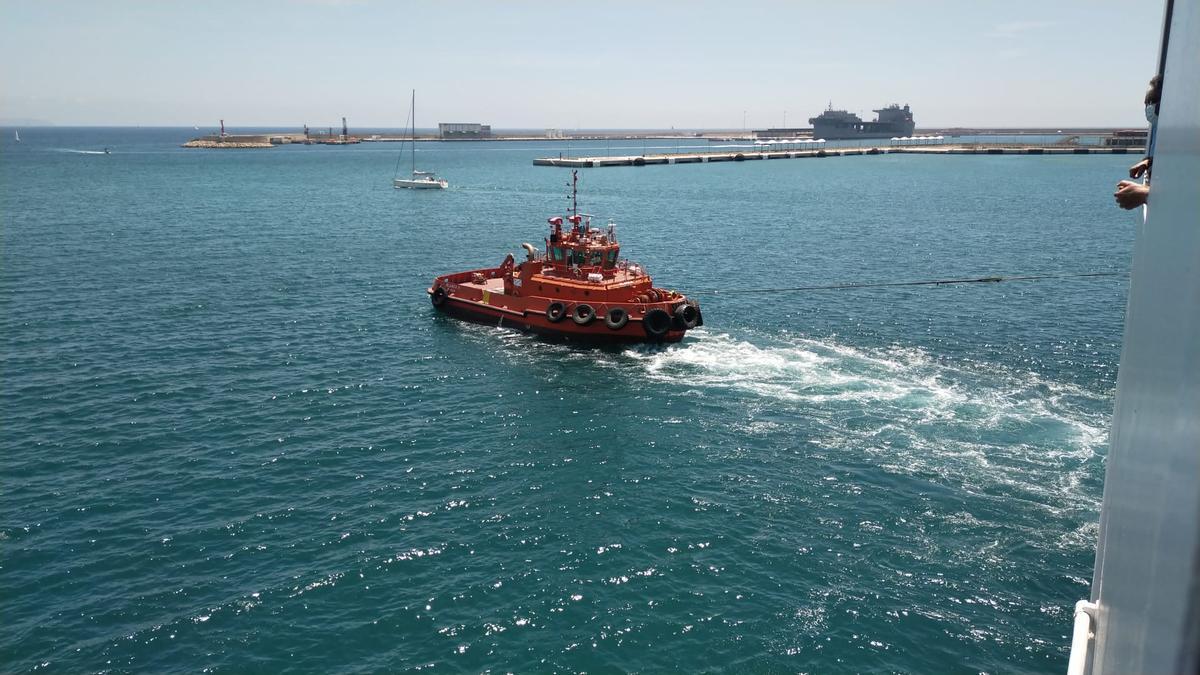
420,180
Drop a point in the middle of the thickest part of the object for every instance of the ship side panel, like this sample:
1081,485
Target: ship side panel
1147,579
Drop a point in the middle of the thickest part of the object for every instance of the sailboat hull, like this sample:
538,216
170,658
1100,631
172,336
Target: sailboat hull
401,183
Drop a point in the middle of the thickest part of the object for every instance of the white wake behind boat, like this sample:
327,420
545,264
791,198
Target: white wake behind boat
420,180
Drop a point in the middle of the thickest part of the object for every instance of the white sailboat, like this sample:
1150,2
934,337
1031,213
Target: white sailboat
420,180
17,135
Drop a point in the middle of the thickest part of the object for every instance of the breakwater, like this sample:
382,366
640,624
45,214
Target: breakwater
272,139
217,144
740,155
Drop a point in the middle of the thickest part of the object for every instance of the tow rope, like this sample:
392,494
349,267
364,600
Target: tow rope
928,282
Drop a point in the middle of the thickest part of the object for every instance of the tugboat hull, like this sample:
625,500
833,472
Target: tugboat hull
596,331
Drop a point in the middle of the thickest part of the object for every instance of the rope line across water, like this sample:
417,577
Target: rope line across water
930,282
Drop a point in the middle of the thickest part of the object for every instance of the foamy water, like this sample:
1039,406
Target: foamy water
911,412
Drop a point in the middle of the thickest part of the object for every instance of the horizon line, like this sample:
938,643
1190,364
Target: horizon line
51,125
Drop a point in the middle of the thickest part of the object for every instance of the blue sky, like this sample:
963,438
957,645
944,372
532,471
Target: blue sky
526,64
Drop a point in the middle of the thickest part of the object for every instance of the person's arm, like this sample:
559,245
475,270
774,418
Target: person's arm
1140,168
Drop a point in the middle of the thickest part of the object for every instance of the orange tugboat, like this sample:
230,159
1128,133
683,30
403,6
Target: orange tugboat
579,289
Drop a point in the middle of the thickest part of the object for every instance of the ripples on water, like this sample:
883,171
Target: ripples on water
238,438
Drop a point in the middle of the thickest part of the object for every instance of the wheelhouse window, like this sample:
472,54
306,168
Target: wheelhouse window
578,257
611,260
558,254
597,258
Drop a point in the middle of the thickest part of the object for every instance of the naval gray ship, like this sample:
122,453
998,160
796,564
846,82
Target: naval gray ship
839,124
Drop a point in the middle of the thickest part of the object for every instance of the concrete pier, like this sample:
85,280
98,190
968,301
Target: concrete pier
749,155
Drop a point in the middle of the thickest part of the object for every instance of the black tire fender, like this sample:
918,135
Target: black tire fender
656,323
583,314
438,297
688,315
555,312
616,318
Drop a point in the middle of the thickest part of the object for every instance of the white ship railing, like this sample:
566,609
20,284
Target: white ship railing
1081,638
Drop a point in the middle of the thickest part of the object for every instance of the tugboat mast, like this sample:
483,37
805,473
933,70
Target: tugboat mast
574,192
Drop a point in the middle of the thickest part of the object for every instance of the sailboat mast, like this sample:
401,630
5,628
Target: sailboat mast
414,133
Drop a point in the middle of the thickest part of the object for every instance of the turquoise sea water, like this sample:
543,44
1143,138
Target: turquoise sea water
236,436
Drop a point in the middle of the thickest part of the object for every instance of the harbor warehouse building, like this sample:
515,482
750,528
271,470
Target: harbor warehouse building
459,130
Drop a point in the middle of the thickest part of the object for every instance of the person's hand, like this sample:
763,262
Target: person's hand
1140,168
1130,195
